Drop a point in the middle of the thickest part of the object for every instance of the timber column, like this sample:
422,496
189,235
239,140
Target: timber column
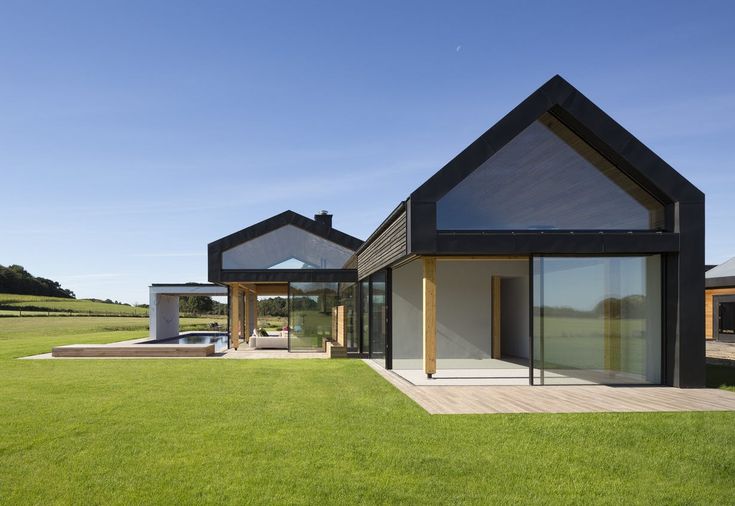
429,313
235,322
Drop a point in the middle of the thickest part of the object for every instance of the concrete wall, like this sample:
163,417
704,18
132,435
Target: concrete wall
164,316
163,308
464,302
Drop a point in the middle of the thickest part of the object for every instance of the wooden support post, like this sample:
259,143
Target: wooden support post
338,324
429,312
235,324
254,295
246,318
495,316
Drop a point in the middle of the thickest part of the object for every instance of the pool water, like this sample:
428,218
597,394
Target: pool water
219,339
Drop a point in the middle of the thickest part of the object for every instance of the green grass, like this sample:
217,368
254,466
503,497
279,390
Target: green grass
316,431
12,303
720,376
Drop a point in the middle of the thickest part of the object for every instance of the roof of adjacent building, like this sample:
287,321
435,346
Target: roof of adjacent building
722,275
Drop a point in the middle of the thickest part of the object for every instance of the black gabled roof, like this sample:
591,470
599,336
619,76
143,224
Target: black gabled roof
591,123
281,220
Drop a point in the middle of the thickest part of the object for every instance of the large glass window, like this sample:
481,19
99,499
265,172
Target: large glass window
310,314
547,178
597,320
378,317
288,247
347,298
365,316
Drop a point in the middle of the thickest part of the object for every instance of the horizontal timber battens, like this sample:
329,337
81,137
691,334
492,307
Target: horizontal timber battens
386,248
709,295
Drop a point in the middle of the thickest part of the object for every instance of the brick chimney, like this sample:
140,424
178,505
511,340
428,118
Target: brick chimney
324,218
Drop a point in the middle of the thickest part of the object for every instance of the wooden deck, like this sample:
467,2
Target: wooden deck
132,350
558,399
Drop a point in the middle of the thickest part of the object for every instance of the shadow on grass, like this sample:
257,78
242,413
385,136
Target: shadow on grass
721,376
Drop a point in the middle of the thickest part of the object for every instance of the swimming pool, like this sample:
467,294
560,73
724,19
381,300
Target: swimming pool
219,339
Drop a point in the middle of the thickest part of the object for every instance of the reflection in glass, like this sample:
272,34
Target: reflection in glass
527,185
288,247
378,318
347,299
365,316
310,314
597,320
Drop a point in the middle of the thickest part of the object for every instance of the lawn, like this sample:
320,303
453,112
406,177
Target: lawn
37,304
317,431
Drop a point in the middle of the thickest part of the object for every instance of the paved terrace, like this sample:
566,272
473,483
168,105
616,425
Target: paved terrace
720,353
449,400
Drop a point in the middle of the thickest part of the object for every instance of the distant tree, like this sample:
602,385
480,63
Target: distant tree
274,306
196,304
15,279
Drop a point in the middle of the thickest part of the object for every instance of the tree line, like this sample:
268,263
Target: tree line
630,306
15,279
201,305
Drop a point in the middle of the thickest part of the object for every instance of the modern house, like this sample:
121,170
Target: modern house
719,299
555,249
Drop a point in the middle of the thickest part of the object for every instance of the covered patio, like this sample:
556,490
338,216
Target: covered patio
291,256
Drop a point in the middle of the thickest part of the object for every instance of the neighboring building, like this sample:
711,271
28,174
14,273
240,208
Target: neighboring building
554,249
719,302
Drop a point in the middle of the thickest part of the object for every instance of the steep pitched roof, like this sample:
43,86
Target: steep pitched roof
280,220
591,123
722,275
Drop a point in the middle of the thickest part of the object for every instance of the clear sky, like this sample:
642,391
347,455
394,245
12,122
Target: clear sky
132,133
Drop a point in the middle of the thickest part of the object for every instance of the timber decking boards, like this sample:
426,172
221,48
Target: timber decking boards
133,350
558,399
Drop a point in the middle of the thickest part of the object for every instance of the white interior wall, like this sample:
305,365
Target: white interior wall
464,303
406,313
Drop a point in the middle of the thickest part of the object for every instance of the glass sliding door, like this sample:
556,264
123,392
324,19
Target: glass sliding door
378,315
365,317
347,298
597,320
310,315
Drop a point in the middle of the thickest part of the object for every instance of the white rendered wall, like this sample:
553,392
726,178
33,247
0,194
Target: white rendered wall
164,316
406,316
464,304
163,311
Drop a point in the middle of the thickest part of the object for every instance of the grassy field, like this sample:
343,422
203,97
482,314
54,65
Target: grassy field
315,431
35,304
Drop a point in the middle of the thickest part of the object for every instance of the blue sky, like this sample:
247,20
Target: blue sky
134,133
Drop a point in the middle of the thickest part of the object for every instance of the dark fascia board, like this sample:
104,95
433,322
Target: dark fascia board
280,220
571,243
724,282
288,275
207,285
561,99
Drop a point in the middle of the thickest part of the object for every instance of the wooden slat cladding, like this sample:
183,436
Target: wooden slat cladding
385,249
709,309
